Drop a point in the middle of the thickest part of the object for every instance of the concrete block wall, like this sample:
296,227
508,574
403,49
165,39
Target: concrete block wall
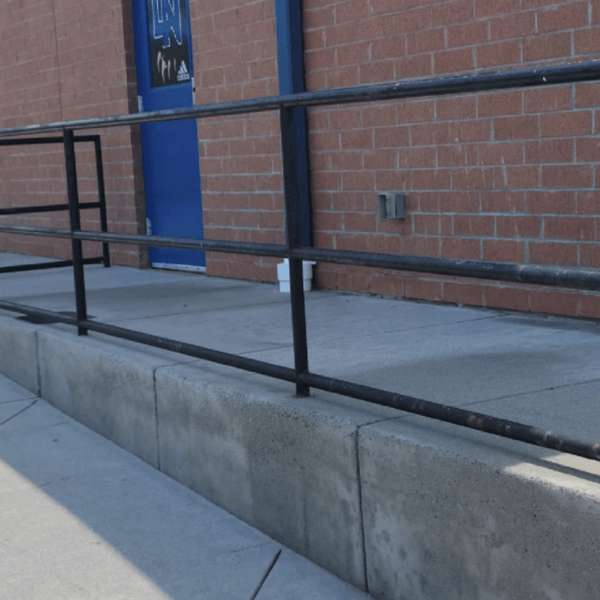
68,60
399,506
457,515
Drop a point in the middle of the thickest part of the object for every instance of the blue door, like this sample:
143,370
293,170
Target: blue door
163,49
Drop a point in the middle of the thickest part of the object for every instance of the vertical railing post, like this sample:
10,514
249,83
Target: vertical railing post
292,215
75,221
102,198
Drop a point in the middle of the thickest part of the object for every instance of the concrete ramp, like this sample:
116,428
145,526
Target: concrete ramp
400,506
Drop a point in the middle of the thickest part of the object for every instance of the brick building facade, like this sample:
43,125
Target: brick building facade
61,61
504,176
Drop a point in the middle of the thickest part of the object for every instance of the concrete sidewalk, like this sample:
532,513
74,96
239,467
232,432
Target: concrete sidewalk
400,506
82,519
538,370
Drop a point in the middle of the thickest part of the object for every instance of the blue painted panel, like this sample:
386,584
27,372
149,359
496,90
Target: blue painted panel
290,60
169,150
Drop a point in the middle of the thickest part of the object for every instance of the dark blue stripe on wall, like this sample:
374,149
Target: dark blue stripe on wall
290,59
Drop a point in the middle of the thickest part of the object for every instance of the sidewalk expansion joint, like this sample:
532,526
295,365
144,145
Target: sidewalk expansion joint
192,313
529,392
264,578
18,413
52,481
251,547
406,329
31,397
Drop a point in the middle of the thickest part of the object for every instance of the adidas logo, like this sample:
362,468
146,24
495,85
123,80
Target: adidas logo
183,74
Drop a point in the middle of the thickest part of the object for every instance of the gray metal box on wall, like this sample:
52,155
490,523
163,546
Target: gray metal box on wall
390,206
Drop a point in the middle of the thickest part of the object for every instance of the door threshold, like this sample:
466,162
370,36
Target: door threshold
172,267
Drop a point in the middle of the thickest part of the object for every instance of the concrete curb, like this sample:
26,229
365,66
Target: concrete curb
457,515
399,506
18,355
286,465
106,387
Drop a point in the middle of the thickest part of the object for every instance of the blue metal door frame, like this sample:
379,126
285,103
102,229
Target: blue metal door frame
290,60
170,150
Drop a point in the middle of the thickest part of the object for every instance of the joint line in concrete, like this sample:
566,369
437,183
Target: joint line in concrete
360,512
548,389
417,328
32,397
37,364
251,547
155,390
360,498
18,413
261,583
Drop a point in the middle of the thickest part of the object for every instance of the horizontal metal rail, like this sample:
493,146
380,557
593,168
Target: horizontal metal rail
223,358
432,410
153,240
47,208
582,278
457,416
464,84
47,140
36,231
24,210
570,277
55,264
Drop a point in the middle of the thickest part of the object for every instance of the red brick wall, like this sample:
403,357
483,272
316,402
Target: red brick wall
499,176
67,60
235,57
507,176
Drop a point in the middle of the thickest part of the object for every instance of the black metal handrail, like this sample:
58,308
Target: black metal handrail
45,208
574,277
463,84
584,278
